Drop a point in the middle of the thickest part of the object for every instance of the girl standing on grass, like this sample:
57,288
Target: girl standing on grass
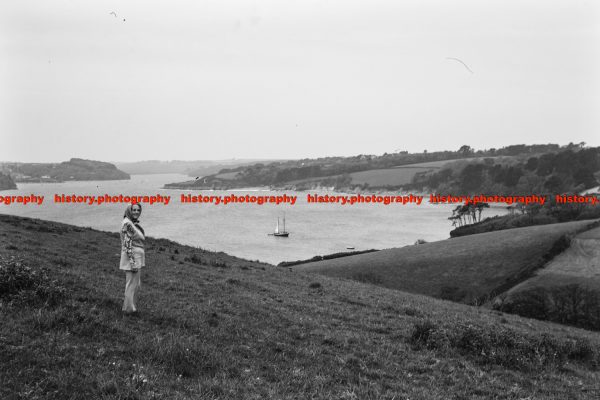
132,255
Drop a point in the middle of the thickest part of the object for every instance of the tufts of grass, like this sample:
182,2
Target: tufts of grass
72,317
63,262
368,277
182,356
218,264
499,345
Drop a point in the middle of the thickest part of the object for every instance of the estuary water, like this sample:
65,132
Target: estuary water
242,229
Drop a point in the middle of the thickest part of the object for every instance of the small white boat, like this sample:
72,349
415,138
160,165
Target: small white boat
278,232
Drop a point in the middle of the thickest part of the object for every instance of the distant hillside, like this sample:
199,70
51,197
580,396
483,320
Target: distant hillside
569,169
348,173
191,168
6,182
212,326
387,178
469,269
76,169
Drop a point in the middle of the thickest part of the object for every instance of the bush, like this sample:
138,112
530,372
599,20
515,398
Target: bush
196,259
325,257
22,284
571,304
533,303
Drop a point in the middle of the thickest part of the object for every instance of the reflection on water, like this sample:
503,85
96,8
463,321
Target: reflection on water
242,229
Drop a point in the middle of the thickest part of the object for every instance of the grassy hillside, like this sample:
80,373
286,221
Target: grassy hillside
465,269
404,174
390,177
336,171
381,178
213,326
580,260
566,289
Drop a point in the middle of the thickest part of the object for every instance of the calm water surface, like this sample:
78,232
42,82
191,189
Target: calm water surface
241,229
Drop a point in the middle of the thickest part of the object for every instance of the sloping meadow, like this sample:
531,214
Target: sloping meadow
469,269
215,326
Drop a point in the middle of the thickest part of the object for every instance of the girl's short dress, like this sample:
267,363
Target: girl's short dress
132,246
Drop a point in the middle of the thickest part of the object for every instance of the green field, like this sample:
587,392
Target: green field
387,177
212,326
580,262
227,175
379,178
464,269
400,175
567,288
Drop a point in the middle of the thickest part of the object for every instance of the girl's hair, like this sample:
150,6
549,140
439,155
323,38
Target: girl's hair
128,213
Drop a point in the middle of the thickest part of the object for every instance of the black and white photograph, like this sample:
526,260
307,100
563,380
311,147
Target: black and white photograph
311,199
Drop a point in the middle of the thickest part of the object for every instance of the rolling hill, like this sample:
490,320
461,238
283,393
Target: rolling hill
469,269
373,178
580,263
213,326
566,290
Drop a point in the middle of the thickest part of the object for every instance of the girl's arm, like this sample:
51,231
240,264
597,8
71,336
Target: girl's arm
128,234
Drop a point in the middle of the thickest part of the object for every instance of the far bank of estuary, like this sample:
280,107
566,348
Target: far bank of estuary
242,228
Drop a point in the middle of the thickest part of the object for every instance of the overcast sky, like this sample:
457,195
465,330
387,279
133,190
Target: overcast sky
197,79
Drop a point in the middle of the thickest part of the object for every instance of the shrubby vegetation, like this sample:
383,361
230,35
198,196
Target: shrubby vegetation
504,346
325,257
568,170
25,285
571,304
550,213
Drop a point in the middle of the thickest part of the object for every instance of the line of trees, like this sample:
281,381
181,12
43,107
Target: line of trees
467,214
571,304
569,170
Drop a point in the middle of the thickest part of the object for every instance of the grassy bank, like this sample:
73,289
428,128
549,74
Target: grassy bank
466,269
213,326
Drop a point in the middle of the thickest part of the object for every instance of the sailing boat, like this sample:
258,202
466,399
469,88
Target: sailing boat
278,232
